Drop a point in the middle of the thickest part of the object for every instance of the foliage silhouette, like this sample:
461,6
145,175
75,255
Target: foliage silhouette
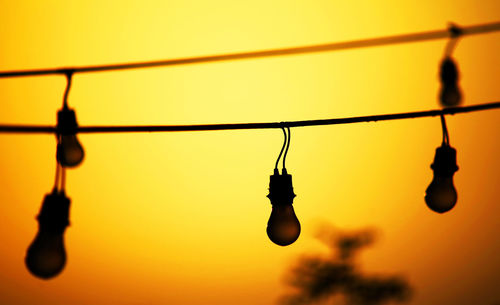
316,279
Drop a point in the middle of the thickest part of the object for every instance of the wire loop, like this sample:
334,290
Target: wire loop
455,33
69,76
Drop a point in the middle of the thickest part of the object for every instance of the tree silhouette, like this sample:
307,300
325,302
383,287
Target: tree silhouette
316,279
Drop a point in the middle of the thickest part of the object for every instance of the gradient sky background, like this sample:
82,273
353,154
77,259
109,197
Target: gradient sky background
180,218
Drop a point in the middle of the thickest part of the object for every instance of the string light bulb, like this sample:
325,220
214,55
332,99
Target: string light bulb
46,256
441,195
283,227
450,94
69,150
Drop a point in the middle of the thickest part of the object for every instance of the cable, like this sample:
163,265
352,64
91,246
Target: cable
446,137
287,147
69,76
281,151
56,182
63,178
455,34
363,43
240,126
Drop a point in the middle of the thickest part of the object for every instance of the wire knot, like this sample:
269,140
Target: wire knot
455,31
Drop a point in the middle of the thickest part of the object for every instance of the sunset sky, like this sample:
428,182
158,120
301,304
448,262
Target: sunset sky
180,218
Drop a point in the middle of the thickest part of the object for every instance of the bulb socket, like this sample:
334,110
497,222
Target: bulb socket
445,161
54,213
66,122
449,72
281,188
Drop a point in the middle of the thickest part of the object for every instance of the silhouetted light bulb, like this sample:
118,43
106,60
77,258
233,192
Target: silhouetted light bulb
69,151
441,195
46,255
450,93
283,227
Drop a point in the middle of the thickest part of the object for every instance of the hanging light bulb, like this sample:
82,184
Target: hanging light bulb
441,195
46,255
450,94
283,227
69,150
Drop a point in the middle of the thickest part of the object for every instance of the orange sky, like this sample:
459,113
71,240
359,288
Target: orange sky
180,218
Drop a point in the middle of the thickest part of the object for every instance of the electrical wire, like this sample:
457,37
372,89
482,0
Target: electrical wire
57,178
287,147
241,126
281,151
446,137
455,34
63,179
363,43
69,77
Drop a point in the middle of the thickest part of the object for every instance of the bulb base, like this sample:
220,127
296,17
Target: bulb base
281,188
54,213
450,94
449,71
445,161
66,122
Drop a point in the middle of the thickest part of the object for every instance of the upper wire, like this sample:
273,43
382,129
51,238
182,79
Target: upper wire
362,43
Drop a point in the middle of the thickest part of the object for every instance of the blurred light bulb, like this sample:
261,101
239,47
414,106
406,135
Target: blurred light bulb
46,256
69,151
450,94
441,195
283,227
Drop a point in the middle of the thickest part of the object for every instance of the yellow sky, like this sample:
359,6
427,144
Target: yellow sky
180,218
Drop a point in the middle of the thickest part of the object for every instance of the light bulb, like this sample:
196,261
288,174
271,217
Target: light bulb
46,256
283,227
441,195
69,151
450,94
